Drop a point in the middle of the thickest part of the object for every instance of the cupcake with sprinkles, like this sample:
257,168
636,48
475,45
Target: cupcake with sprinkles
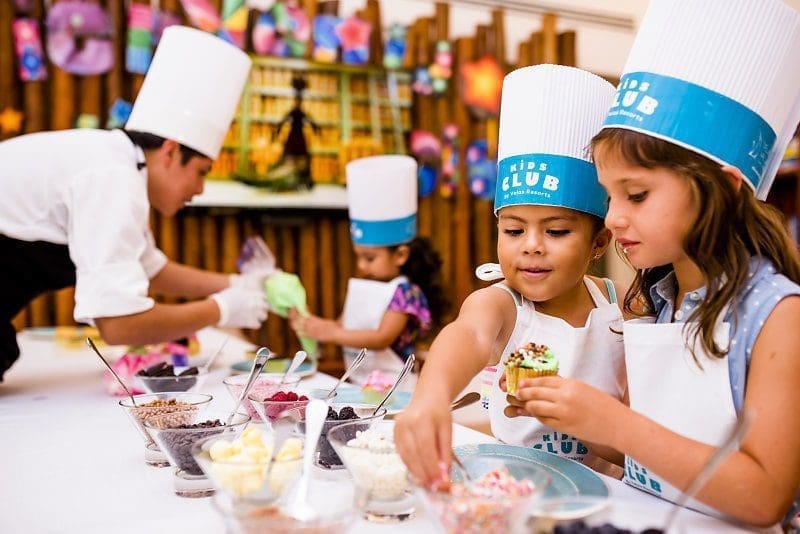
529,361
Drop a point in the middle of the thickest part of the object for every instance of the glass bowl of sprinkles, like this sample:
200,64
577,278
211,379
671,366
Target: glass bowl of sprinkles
494,499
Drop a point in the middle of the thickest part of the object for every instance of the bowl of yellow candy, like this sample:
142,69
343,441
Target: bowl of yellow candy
243,467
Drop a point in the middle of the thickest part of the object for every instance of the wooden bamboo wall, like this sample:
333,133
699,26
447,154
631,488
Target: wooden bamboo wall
314,244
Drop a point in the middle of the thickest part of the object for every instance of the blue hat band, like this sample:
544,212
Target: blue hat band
549,180
383,233
696,118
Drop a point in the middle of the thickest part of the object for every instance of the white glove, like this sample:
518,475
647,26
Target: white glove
240,307
253,281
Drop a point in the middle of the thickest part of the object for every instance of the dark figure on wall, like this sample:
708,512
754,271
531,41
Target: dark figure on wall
295,163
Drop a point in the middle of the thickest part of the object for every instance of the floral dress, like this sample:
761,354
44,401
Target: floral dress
409,299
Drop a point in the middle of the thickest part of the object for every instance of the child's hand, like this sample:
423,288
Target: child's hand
314,327
294,319
423,436
569,406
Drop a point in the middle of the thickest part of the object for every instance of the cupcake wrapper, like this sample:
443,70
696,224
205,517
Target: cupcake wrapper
515,374
534,373
512,376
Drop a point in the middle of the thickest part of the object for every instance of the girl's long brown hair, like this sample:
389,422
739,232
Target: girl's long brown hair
731,227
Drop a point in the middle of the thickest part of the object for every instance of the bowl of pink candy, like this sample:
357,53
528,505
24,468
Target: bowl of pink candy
265,385
493,499
271,407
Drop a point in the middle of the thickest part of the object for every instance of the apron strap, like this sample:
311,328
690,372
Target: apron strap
597,295
514,295
399,279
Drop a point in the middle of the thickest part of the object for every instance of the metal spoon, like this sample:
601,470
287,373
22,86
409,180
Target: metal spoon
297,505
403,372
121,383
299,357
470,398
359,359
282,428
462,468
262,355
731,444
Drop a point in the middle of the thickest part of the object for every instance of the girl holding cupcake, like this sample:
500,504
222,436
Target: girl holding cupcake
550,212
687,152
398,299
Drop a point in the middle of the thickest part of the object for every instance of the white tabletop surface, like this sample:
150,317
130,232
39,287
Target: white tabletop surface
70,460
231,194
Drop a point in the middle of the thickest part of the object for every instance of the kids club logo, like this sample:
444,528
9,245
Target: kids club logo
355,231
523,174
631,100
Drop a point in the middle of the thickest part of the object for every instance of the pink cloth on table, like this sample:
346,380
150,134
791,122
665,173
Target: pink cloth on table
127,367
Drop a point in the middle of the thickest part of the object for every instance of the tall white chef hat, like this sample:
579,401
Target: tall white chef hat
718,77
191,90
548,116
382,200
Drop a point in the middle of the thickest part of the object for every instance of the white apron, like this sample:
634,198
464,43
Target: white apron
592,354
364,307
666,385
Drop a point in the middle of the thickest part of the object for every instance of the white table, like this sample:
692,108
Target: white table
70,461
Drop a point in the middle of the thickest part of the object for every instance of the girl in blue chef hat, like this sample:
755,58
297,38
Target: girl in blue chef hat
686,154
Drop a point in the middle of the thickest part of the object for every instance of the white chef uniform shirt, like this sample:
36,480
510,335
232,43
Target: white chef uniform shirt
81,188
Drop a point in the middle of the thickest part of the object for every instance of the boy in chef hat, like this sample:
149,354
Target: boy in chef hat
76,205
550,212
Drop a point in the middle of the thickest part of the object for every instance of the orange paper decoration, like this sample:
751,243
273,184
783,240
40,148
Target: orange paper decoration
482,82
10,121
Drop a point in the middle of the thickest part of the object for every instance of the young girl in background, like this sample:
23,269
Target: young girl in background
549,214
398,299
715,266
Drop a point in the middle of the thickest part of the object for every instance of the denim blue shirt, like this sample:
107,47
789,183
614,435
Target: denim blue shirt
762,292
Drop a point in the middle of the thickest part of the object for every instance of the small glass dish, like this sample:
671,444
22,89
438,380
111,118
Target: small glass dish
264,386
180,405
157,384
176,437
471,507
337,504
326,457
369,454
268,410
241,467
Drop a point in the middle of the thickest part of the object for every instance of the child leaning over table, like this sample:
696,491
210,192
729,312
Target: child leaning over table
549,211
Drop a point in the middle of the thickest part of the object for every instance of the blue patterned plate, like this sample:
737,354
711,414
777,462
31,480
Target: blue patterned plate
568,478
351,395
278,365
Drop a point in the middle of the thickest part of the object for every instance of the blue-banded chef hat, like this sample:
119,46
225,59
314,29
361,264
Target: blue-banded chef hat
382,200
548,116
718,77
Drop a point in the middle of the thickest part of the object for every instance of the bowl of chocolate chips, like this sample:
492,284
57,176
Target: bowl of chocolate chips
165,377
176,438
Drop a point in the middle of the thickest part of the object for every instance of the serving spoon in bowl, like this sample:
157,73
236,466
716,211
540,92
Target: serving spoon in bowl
121,383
